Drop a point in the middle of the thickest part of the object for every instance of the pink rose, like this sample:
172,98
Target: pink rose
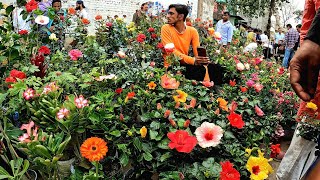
75,54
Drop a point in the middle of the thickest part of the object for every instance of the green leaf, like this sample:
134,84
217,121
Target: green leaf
5,176
9,9
137,144
229,135
124,159
42,151
153,125
147,156
116,133
63,145
25,167
208,163
153,134
202,93
164,144
3,97
165,156
4,172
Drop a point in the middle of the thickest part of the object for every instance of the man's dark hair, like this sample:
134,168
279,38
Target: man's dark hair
265,32
54,1
226,13
81,2
181,9
255,30
289,26
143,4
298,26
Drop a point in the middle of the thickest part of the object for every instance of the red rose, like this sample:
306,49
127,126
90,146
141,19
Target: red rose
182,141
10,80
119,90
141,38
153,36
17,74
243,89
109,24
44,50
98,17
275,150
150,30
160,46
23,32
31,5
236,120
228,172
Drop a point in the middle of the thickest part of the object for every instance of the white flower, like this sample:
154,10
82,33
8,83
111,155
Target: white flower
169,47
121,54
3,11
42,20
247,66
101,78
218,51
208,135
53,37
240,66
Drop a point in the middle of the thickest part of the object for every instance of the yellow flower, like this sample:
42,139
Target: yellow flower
119,20
248,151
152,85
312,106
223,104
143,132
259,167
182,97
129,133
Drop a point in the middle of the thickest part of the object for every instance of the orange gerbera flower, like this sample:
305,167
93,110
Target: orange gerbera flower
94,149
85,21
71,11
152,85
223,104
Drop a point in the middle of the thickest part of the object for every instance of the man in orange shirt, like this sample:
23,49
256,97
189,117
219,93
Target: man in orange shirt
182,36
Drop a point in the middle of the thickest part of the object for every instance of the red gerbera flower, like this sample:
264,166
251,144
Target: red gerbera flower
236,120
44,50
228,172
182,141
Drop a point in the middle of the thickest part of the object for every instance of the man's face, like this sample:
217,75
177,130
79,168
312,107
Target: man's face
280,31
78,6
298,29
145,8
56,6
173,17
225,17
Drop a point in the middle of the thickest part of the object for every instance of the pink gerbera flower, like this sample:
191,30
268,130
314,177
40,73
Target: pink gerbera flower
208,134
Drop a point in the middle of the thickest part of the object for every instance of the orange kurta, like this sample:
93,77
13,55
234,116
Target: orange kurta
182,42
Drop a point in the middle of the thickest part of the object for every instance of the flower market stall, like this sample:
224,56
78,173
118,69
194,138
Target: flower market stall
105,106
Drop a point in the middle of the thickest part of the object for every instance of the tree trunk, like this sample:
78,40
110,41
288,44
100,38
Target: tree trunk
200,9
271,10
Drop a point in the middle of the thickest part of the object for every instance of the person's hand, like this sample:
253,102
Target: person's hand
304,70
199,60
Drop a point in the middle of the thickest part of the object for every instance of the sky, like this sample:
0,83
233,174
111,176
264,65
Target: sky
299,3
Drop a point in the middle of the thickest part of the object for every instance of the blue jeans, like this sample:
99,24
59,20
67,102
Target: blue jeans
287,57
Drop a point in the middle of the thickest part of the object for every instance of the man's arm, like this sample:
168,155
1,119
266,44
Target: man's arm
134,19
305,64
166,39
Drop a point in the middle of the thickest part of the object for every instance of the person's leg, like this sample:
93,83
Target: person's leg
216,72
291,56
286,58
195,72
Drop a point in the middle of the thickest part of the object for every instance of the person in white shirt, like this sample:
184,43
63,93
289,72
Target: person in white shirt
18,22
82,12
264,38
